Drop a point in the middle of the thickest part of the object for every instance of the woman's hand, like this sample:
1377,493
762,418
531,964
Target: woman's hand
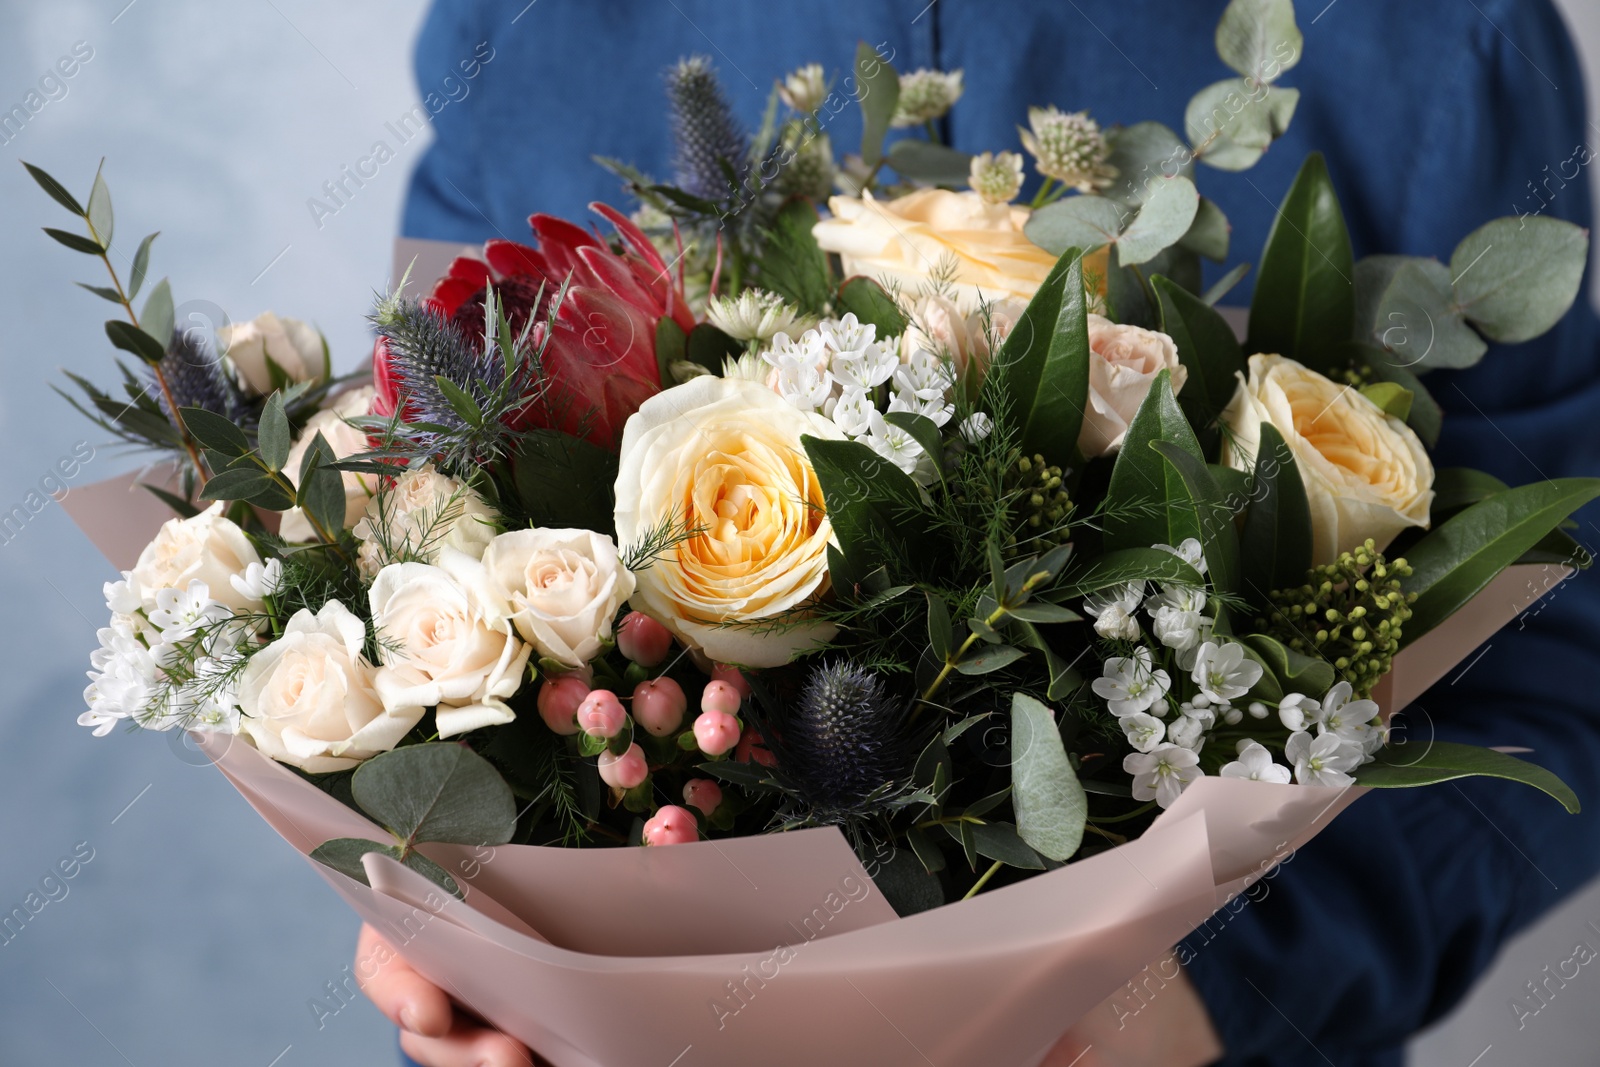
1165,1025
432,1032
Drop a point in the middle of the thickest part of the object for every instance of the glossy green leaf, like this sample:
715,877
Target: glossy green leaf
1210,506
1400,767
1128,565
1298,672
872,504
1001,842
215,432
1087,222
180,507
1144,154
436,792
241,484
871,303
1146,501
1233,122
321,492
57,191
1209,233
1049,800
710,348
1275,544
273,437
1304,305
986,659
1040,375
1169,210
101,221
924,431
878,90
1207,349
1516,277
1426,418
344,854
1457,487
1456,560
792,265
671,348
929,163
141,264
1259,38
74,241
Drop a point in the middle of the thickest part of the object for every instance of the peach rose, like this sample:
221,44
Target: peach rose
1123,362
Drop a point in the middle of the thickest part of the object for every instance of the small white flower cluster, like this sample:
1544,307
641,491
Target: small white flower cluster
167,657
843,371
753,315
1177,611
926,95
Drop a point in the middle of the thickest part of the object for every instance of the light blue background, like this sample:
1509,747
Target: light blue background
195,936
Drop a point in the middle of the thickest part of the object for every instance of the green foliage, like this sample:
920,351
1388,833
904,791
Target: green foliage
1233,122
1514,278
878,90
344,855
930,164
1400,767
1052,809
791,264
1259,38
1275,544
1350,614
1304,305
868,301
872,504
1214,517
563,481
1208,351
1146,502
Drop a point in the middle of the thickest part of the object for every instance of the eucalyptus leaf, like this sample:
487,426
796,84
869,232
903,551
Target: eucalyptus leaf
344,855
74,241
1399,767
104,292
878,90
239,484
436,792
57,191
1086,222
1050,803
1304,305
215,432
1233,122
1259,38
1209,234
929,163
1168,212
926,851
100,216
1516,277
940,633
1001,842
1416,319
1457,559
988,659
141,264
1143,154
273,436
1064,679
156,318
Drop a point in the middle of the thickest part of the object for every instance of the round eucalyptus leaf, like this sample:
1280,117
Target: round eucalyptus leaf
1516,277
436,792
1231,123
1168,212
1259,38
1086,222
1208,234
1143,154
1418,322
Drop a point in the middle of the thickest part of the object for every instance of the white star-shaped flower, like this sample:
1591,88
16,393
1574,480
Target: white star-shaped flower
1161,773
1255,764
1130,685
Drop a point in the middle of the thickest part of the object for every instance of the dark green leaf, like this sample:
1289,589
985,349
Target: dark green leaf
1206,348
999,841
1063,679
436,792
988,658
870,303
1217,533
102,291
1275,544
1457,487
241,484
905,883
181,507
564,482
1049,800
1426,418
709,347
1516,277
1304,305
74,242
1398,767
459,399
923,431
984,805
141,264
1454,562
872,504
156,318
930,164
344,854
214,432
752,776
940,635
1208,234
100,216
791,263
1039,611
273,435
929,853
1040,375
1129,565
57,191
878,90
1147,502
1298,672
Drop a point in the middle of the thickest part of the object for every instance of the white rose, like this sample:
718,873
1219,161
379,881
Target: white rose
1123,364
937,325
1366,474
724,457
903,241
346,441
446,642
295,347
422,512
308,699
564,588
204,548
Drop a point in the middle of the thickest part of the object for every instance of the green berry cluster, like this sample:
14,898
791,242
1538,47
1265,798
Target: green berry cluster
1038,502
1357,375
1349,612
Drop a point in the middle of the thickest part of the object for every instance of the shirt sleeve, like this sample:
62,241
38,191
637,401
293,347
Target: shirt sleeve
446,183
1378,926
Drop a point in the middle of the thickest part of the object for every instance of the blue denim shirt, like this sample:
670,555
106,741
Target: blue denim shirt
1436,116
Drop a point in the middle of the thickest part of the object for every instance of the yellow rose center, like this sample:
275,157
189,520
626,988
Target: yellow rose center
1345,436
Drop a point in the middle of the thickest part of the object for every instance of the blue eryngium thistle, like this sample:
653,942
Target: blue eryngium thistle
196,377
844,740
709,141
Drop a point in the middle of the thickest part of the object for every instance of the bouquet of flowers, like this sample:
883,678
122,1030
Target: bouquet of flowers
962,533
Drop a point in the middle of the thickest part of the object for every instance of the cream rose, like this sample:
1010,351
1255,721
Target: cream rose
446,642
1366,474
724,457
564,588
905,240
1123,363
295,347
308,699
205,548
346,441
422,512
938,326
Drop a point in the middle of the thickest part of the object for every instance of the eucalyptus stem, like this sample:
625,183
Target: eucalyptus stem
1044,191
981,882
951,661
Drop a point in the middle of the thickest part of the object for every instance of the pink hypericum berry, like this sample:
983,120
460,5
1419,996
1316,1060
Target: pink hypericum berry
643,639
659,705
702,793
716,732
558,702
721,672
671,825
752,748
601,714
720,696
624,771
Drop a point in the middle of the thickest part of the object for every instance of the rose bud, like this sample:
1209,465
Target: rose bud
659,705
624,771
720,696
753,749
601,714
671,825
702,793
721,672
643,640
558,702
716,732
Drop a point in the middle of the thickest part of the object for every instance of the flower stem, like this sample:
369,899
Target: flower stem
951,661
1134,814
933,132
1044,191
981,882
